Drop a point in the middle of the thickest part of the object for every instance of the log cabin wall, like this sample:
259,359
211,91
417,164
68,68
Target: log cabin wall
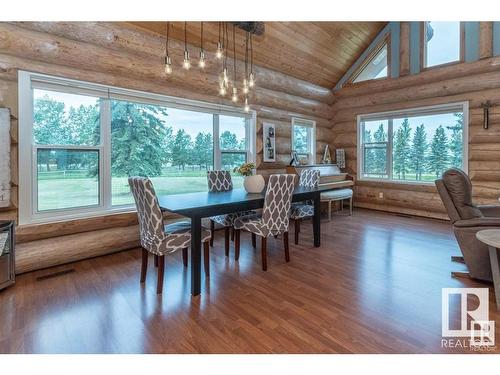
476,80
122,55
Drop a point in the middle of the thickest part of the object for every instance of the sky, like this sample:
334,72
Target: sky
444,46
192,122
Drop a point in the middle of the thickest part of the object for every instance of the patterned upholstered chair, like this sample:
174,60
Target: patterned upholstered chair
219,181
157,238
309,178
274,219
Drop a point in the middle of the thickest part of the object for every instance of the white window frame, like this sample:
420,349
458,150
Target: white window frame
389,115
27,149
302,122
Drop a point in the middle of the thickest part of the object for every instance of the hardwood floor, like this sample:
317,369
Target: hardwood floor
374,286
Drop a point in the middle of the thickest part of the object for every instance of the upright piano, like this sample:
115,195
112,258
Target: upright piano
329,174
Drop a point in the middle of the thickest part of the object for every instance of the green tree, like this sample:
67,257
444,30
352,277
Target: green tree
438,157
418,151
380,153
49,126
83,125
139,139
229,141
203,150
456,141
181,149
402,148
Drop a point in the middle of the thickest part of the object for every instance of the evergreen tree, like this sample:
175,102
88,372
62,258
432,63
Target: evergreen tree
380,154
438,157
181,149
139,139
203,150
456,141
229,141
402,148
418,151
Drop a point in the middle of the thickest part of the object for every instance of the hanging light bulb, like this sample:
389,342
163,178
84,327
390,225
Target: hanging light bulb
168,61
245,86
186,64
222,89
219,53
168,65
247,106
201,63
225,77
234,98
251,80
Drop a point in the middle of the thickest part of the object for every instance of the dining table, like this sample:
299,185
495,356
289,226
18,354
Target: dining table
199,205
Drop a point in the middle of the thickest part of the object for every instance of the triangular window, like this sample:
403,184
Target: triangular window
374,67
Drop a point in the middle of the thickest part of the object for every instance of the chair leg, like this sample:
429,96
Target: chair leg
232,234
226,240
254,240
350,207
156,261
161,271
185,256
329,210
297,230
212,232
341,202
206,258
285,244
237,233
264,253
144,264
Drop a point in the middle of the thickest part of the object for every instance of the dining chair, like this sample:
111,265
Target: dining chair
309,178
219,181
273,220
157,238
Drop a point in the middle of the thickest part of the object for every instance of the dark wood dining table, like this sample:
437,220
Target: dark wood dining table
200,205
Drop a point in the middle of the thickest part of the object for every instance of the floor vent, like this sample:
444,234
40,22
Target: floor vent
55,274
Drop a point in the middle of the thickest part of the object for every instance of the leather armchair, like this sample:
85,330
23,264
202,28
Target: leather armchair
455,189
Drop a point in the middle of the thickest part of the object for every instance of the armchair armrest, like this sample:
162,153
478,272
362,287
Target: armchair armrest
478,222
492,210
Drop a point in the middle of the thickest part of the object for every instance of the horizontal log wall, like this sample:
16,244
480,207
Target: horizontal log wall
474,82
122,55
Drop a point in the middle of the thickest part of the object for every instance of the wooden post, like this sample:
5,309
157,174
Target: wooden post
404,49
485,39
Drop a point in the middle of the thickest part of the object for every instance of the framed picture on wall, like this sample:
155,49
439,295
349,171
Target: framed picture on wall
269,142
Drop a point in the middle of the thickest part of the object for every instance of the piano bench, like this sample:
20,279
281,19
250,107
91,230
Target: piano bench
337,195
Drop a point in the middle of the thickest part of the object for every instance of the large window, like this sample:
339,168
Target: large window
412,145
375,66
304,139
80,142
442,43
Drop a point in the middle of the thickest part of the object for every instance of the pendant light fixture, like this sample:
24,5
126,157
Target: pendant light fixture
220,48
201,62
186,64
168,61
234,98
224,78
251,78
245,79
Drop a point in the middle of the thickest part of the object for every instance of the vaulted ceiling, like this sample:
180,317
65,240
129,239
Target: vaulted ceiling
318,52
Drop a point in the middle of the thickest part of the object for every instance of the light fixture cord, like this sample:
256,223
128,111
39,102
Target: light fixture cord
246,54
201,35
234,53
251,54
185,36
168,37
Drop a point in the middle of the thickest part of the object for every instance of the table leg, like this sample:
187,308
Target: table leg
495,270
317,220
195,255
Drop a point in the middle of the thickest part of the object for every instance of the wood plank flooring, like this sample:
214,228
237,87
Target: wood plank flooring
374,286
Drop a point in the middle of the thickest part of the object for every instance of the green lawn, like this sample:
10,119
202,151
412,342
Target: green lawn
76,191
